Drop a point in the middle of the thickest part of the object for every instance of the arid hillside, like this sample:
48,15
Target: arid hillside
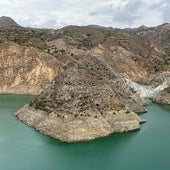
139,54
25,70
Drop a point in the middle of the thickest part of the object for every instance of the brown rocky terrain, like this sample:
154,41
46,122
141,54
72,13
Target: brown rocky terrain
84,103
101,76
25,70
141,53
163,96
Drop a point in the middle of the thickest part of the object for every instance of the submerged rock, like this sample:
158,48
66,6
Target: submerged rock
84,103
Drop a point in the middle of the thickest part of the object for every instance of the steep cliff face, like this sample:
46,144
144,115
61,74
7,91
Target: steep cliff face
25,70
84,103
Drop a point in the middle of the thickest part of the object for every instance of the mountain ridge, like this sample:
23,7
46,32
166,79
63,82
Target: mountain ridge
8,22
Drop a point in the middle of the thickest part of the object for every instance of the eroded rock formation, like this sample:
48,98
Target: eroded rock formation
84,103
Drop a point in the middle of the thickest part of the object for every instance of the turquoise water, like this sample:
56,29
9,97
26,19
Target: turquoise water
23,148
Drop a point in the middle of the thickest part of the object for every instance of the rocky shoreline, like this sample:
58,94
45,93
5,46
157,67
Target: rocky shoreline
84,129
80,129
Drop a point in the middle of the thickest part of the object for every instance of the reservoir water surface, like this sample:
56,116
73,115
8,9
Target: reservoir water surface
23,148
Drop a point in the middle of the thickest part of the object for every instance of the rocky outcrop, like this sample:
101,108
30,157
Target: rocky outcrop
84,103
163,97
25,70
158,90
80,128
162,94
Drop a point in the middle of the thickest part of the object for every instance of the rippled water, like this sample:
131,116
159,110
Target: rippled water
23,148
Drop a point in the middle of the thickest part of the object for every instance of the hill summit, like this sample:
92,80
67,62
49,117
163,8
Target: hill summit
84,103
8,22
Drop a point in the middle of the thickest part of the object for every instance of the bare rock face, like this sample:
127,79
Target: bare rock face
162,94
7,22
84,103
163,97
25,70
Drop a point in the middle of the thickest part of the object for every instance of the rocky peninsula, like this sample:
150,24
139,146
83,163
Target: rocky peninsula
87,102
84,103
